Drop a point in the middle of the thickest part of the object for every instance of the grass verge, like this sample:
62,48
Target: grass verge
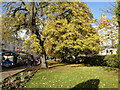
73,76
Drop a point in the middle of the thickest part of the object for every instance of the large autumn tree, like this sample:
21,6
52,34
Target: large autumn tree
69,31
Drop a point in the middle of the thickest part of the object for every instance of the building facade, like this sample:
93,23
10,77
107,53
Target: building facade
13,46
108,36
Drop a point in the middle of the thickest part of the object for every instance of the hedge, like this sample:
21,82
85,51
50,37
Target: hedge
93,60
101,60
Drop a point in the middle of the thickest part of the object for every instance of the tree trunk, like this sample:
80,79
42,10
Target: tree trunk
36,31
43,62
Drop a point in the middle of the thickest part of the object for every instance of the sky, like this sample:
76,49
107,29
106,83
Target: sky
97,8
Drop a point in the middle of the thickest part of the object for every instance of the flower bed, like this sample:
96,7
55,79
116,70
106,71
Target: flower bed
18,80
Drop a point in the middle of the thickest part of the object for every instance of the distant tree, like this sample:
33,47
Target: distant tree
7,33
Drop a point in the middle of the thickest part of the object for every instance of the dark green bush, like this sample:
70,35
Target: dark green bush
93,60
111,61
101,60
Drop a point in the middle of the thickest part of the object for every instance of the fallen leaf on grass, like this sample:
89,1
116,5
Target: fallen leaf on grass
68,86
103,84
111,83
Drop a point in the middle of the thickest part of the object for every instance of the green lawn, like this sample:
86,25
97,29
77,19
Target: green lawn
72,76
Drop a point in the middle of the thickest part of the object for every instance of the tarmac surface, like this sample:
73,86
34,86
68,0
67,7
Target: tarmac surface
10,71
7,73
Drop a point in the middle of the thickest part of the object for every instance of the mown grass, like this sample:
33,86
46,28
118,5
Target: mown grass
74,76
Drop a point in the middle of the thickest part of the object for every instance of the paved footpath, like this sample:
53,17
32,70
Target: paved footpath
6,73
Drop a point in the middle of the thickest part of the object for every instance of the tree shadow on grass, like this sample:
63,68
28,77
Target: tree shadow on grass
91,84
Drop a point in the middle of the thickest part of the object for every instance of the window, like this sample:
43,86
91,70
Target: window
111,51
106,51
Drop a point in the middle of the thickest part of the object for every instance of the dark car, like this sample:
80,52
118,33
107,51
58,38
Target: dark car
7,64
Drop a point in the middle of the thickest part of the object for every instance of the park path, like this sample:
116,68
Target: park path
6,73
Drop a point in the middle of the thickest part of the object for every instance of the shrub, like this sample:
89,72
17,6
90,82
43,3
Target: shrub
110,69
94,60
111,61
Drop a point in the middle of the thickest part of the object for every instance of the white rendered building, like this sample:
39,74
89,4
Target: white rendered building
108,37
